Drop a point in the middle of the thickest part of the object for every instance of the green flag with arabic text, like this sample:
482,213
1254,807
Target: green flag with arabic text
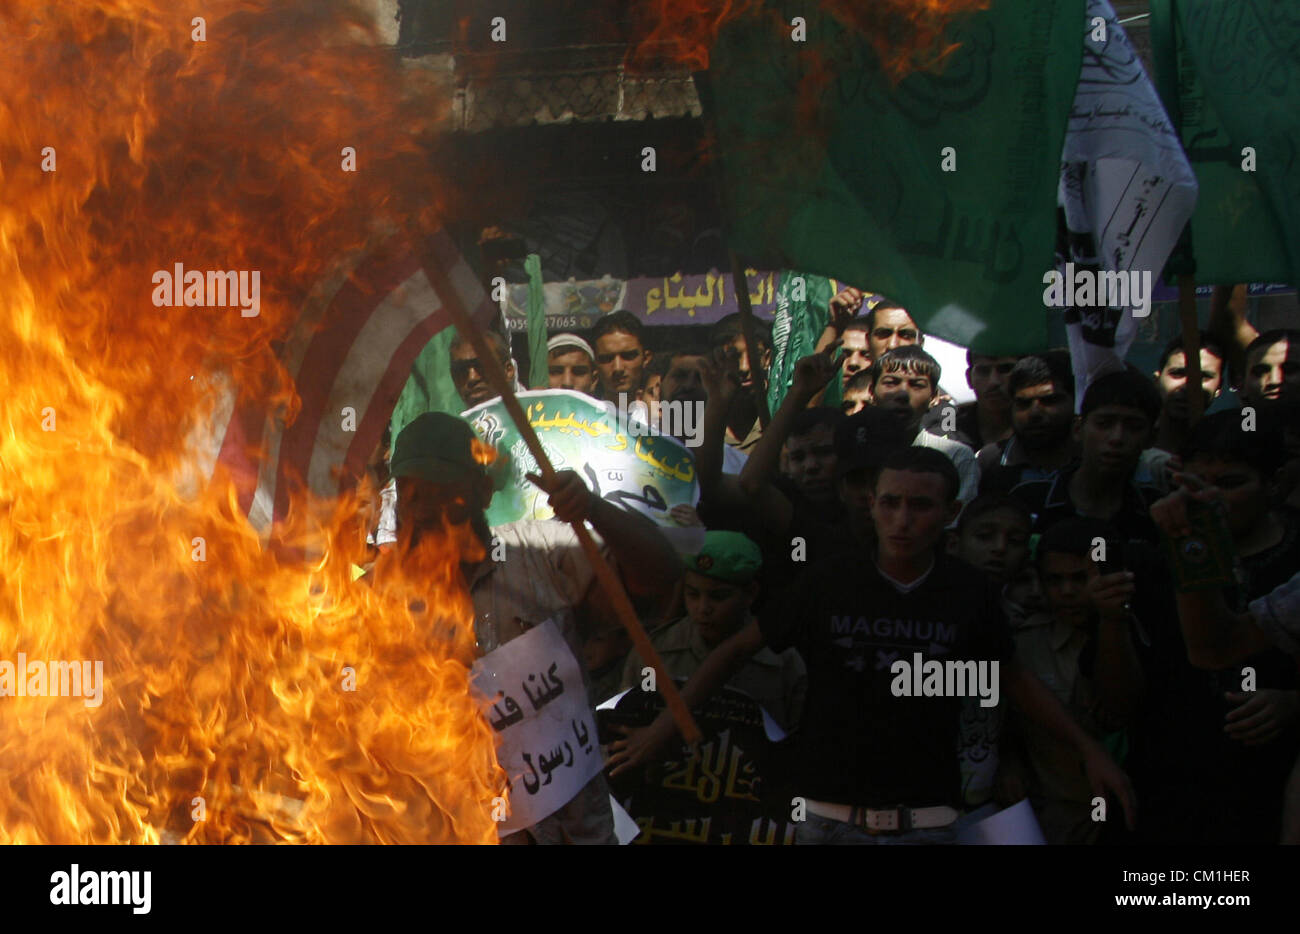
939,191
1229,75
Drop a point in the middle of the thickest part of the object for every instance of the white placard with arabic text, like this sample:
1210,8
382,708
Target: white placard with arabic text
534,698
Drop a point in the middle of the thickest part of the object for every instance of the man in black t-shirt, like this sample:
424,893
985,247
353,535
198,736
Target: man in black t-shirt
876,755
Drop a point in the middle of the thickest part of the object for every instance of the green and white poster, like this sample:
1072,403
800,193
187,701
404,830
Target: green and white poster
620,453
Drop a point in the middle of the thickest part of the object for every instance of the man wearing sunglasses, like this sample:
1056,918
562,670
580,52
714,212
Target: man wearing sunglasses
467,370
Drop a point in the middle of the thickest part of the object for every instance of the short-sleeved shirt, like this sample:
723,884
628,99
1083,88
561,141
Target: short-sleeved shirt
859,744
777,682
545,575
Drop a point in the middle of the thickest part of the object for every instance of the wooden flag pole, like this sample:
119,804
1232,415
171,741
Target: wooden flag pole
496,375
741,286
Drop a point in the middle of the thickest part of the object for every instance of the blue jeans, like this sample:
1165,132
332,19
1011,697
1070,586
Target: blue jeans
822,831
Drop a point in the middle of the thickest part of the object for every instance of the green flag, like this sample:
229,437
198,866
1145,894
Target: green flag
538,370
938,191
429,387
802,312
1229,75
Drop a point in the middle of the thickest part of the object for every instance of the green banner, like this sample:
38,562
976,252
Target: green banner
1229,75
802,313
613,451
538,360
938,191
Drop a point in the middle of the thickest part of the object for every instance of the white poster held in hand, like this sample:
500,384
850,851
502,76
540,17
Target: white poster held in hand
533,696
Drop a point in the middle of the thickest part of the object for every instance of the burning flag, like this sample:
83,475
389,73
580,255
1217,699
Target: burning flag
246,695
350,356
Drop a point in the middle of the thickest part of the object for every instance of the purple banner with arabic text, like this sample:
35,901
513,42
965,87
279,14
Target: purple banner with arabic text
679,299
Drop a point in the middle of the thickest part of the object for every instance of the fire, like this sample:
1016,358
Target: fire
246,696
906,33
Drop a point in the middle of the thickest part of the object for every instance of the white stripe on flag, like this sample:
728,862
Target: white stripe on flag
397,315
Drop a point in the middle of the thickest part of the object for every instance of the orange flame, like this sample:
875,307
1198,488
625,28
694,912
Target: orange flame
244,697
907,34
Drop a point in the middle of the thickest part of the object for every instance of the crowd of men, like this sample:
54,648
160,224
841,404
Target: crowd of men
1025,528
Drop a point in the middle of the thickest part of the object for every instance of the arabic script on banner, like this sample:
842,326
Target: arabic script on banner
534,699
716,796
649,474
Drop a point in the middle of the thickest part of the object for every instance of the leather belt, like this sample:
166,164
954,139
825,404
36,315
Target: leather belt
889,820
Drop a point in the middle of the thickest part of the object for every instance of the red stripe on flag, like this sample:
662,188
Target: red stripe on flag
354,305
380,410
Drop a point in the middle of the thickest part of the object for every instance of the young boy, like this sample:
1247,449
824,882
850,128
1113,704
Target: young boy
720,586
905,382
993,537
857,393
1082,648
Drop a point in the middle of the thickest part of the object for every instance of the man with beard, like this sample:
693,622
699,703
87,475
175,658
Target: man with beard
1042,414
442,490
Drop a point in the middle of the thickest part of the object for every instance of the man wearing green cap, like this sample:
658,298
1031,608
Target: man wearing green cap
521,574
719,589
